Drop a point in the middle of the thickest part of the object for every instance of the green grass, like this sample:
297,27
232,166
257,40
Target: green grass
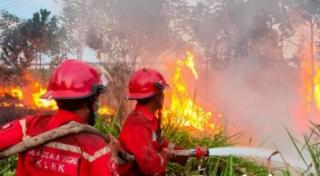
311,147
211,165
220,166
7,166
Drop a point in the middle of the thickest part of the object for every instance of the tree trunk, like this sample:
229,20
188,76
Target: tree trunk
36,60
40,63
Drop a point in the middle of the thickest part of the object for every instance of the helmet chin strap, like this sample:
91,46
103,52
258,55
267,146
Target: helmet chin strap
159,113
159,130
92,114
92,118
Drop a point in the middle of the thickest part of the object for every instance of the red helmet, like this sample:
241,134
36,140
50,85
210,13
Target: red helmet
74,79
145,83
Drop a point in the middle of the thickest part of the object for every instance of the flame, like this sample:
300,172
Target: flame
27,96
316,81
30,96
189,62
310,76
183,111
106,110
37,101
14,92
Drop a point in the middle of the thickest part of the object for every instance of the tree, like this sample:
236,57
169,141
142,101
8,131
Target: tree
310,13
123,34
16,53
246,30
44,34
23,42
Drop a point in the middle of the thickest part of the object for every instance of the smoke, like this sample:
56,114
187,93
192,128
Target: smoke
255,87
258,88
258,101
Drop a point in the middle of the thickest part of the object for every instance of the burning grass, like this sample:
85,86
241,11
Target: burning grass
184,119
183,111
185,122
224,166
28,97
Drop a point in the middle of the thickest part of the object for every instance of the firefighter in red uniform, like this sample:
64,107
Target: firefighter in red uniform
140,135
75,86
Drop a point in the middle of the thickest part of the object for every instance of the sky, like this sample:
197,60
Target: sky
26,8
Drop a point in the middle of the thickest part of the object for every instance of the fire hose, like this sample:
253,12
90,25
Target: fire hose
74,127
64,130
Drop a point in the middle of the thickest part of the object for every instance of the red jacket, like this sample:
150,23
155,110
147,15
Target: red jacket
138,137
80,154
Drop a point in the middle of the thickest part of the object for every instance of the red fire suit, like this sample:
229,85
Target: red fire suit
79,154
138,137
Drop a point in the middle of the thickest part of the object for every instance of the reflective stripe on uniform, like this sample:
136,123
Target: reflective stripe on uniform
65,147
77,149
96,155
23,125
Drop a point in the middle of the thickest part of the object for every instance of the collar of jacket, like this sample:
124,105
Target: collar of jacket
62,117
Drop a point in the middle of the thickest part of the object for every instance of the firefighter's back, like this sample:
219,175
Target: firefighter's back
79,154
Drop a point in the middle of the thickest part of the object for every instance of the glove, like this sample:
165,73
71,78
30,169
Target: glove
114,146
167,154
201,152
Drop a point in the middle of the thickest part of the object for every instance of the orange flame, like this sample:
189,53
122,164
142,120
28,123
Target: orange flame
29,96
14,92
183,110
310,76
106,110
316,80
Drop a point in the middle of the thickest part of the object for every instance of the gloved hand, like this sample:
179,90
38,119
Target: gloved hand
201,152
114,145
167,154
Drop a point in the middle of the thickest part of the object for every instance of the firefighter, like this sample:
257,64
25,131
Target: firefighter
75,86
141,133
